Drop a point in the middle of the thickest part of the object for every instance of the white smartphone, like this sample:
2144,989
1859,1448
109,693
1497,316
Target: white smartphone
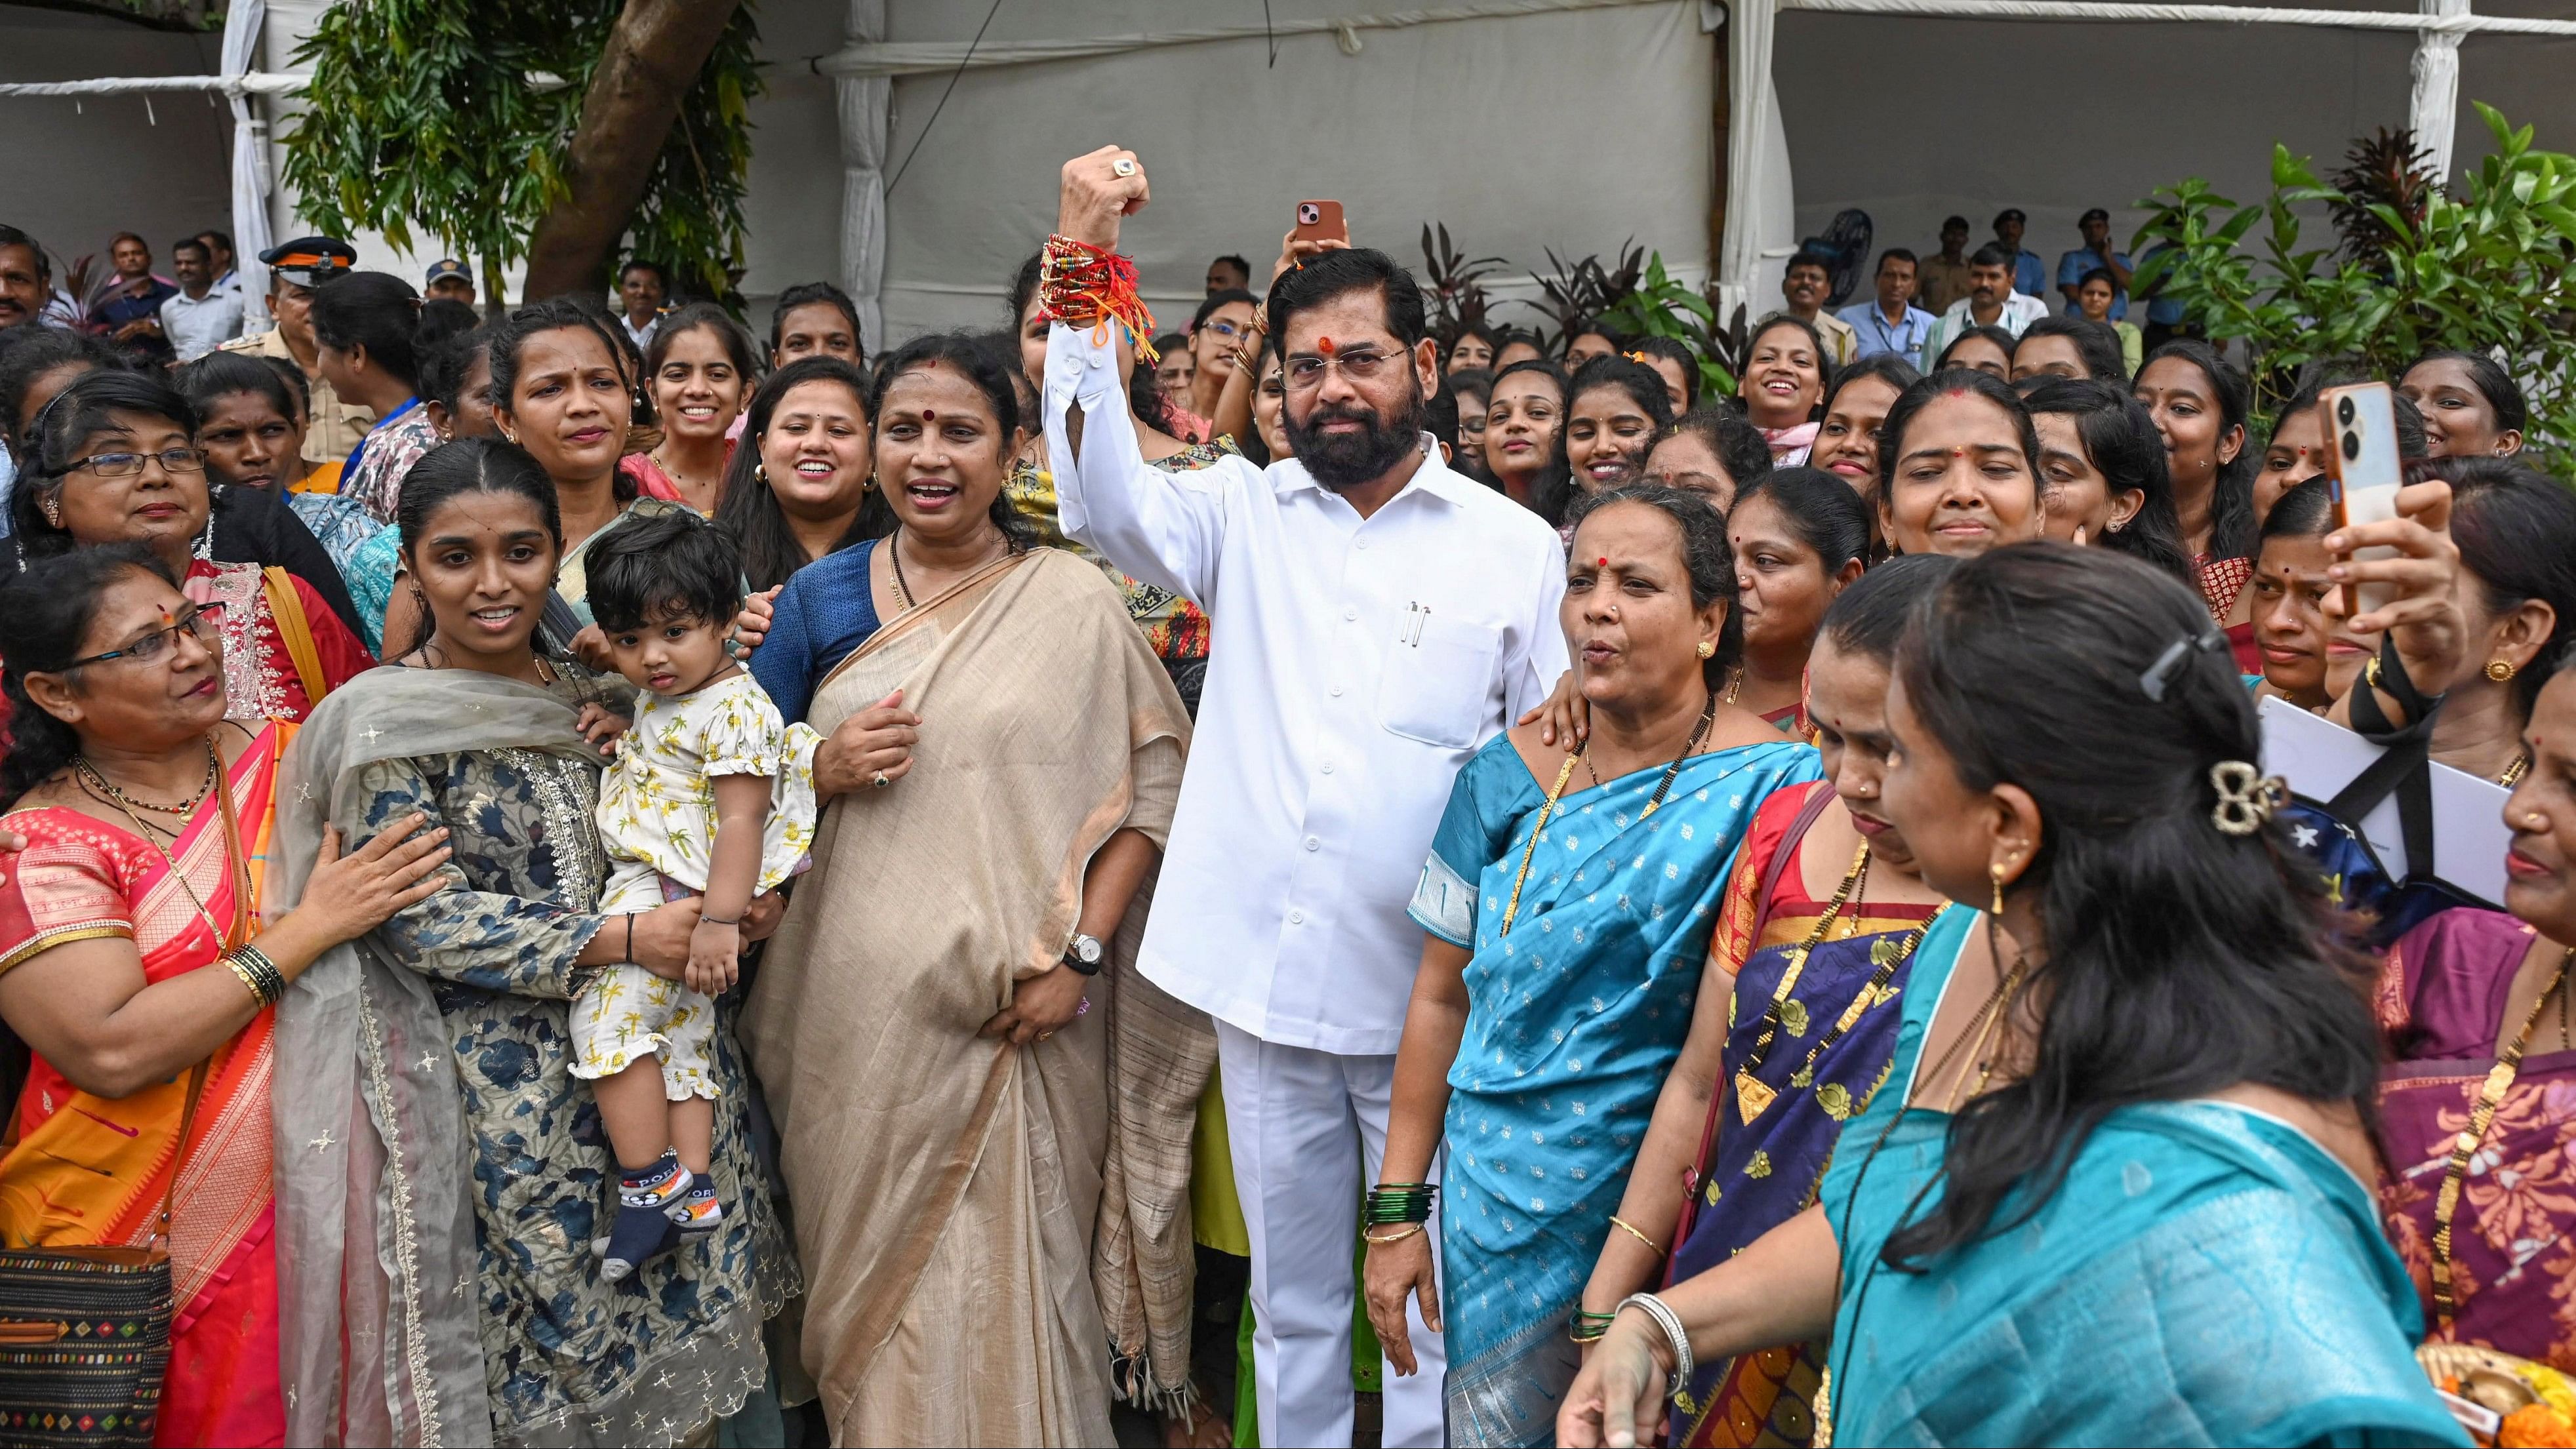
2362,461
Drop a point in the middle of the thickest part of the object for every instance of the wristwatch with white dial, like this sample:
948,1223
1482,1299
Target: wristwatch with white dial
1083,953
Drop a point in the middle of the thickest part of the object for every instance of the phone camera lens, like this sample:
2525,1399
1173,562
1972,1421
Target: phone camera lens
2343,411
1311,214
2351,444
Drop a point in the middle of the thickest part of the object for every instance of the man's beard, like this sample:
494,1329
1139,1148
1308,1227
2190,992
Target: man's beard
1344,461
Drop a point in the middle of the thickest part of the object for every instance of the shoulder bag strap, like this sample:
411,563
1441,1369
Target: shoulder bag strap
287,607
1819,795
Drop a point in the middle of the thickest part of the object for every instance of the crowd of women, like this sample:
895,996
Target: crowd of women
1879,996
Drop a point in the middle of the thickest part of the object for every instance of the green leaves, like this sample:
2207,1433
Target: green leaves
1660,306
421,119
2488,266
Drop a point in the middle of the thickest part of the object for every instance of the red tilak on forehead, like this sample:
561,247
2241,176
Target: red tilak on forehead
1324,345
1604,563
930,415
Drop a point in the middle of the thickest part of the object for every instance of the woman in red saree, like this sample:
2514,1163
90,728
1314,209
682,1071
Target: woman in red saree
135,963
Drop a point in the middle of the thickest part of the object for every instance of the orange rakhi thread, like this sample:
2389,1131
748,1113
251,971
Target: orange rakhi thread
1082,285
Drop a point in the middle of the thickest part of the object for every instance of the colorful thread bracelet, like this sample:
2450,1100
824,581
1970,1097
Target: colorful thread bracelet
1082,285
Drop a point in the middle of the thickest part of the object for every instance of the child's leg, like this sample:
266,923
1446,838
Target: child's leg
616,1024
688,1081
639,1119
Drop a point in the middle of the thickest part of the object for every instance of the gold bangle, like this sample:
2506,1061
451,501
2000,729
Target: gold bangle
1623,1225
1377,1242
249,982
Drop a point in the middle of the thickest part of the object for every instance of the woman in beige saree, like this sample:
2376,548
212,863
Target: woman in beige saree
928,1023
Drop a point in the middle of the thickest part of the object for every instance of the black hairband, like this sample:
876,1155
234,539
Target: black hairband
2159,675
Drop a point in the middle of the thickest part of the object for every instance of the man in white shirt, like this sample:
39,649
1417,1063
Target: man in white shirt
642,287
1378,618
200,316
1991,302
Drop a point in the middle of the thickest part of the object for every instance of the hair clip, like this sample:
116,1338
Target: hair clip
1637,357
2159,674
2246,798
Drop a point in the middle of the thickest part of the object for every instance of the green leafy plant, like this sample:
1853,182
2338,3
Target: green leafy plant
2490,269
1454,288
1661,306
455,121
1581,291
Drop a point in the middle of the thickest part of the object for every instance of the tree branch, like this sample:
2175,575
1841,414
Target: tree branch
653,56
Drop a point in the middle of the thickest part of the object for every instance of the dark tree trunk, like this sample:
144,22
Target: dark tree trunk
653,56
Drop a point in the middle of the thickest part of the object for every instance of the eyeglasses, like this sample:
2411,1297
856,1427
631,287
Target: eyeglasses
1222,328
201,620
127,465
1306,373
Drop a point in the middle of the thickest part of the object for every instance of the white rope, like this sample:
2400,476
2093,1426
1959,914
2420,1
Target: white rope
2132,10
253,83
939,57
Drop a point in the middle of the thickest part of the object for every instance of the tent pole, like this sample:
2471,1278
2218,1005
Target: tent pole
1719,123
2435,106
865,103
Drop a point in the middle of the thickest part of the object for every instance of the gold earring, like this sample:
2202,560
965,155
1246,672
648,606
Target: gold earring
1706,649
1996,874
2500,670
760,472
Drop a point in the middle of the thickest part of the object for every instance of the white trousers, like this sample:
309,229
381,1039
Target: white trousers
1308,1129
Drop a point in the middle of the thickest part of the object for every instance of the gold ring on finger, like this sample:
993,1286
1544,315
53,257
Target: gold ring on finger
1042,1036
1122,167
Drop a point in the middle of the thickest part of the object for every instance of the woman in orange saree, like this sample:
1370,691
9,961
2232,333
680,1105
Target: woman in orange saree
135,963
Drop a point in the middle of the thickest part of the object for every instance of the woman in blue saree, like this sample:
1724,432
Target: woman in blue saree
2113,1190
1566,927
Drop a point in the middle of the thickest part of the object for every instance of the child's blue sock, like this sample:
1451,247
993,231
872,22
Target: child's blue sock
643,1230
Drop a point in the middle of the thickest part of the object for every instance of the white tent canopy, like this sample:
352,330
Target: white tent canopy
1524,125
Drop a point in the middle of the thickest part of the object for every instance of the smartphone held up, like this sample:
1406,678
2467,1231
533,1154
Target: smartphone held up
2364,470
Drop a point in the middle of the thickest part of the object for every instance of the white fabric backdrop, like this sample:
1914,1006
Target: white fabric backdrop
1573,131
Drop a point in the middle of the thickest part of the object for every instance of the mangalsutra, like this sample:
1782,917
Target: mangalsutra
98,783
903,586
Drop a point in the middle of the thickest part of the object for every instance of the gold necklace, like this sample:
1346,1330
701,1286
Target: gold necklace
1557,792
2499,1081
125,803
1981,1026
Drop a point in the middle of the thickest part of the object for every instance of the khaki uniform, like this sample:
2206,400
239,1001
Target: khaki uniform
337,426
1938,283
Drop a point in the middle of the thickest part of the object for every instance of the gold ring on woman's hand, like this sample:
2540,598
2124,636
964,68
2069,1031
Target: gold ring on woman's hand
881,781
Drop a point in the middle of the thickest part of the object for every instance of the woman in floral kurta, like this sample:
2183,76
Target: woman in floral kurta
558,1341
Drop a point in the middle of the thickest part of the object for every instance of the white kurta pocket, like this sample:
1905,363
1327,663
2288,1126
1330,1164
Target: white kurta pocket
1437,680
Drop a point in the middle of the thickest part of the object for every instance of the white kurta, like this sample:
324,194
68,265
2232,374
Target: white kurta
1354,666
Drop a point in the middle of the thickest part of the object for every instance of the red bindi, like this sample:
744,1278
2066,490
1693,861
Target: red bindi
1324,345
930,415
1603,563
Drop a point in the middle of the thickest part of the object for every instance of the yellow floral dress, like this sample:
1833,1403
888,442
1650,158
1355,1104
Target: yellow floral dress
657,822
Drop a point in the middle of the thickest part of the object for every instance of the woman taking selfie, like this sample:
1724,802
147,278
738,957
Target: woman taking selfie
1522,1052
2119,1155
142,967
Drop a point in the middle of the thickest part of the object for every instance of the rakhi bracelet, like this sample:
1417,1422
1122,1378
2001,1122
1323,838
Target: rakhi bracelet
1394,1203
251,966
1082,285
719,921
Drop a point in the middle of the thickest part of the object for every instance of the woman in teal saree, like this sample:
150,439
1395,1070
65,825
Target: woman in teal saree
2113,1190
1567,925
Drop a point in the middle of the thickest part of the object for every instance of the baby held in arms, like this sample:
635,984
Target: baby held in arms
711,795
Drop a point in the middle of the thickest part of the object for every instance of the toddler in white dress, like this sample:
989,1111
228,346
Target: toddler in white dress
711,795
